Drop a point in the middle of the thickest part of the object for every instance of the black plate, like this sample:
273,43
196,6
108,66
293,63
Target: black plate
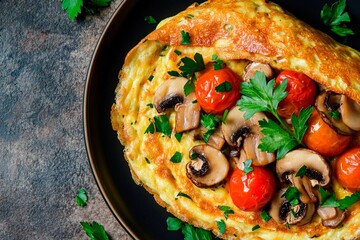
133,207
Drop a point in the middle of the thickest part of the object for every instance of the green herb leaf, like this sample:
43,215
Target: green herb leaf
265,216
150,128
210,122
150,105
173,224
347,201
299,122
147,160
150,19
226,112
174,73
336,17
162,125
221,226
189,87
177,52
224,87
301,172
178,136
255,227
81,198
151,77
181,194
100,3
94,230
218,62
176,158
329,200
247,166
335,114
227,210
185,37
72,7
191,233
292,194
190,66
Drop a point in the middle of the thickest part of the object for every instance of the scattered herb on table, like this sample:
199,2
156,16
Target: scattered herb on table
76,7
94,230
336,17
81,198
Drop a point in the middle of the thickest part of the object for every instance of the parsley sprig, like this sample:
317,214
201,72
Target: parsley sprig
76,7
189,232
336,17
329,199
258,95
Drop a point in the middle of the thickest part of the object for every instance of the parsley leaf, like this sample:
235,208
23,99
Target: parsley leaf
190,66
265,216
162,125
94,230
227,210
218,62
150,19
209,121
301,172
221,226
81,198
255,227
247,166
181,194
185,37
189,87
178,136
173,224
72,7
329,200
176,158
292,194
224,87
258,95
189,232
336,17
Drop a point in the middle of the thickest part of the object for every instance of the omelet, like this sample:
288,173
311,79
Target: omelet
158,146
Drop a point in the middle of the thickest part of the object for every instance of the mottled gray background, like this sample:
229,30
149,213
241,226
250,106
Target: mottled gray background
44,59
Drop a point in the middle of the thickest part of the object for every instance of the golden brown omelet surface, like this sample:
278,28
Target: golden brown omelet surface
237,32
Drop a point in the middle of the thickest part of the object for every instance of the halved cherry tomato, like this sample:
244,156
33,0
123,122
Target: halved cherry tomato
301,93
347,169
321,138
252,191
210,98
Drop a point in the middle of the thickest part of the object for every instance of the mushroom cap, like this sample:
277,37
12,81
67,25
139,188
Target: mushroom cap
327,102
208,167
317,169
252,67
246,134
350,112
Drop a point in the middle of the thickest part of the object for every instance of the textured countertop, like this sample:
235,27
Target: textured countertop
44,58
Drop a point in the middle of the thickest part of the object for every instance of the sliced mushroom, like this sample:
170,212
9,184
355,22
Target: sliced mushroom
335,220
170,94
208,166
317,172
246,134
328,102
252,67
283,212
216,139
350,112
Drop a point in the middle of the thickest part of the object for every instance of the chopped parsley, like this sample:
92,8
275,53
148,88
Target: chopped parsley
150,105
336,17
218,62
265,216
227,210
76,7
255,227
81,198
181,194
151,77
292,194
260,96
94,231
301,172
335,115
178,136
329,200
224,87
185,37
221,226
177,52
147,160
209,121
176,158
150,19
159,124
189,232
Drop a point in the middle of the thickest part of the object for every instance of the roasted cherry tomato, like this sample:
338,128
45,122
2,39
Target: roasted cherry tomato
252,191
301,93
213,93
347,169
321,138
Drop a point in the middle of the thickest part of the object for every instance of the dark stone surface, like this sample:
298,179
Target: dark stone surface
44,59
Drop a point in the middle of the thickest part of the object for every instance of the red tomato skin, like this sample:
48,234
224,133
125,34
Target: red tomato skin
301,93
347,169
209,99
321,138
252,191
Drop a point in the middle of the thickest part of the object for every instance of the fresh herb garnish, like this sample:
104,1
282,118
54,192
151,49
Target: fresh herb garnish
336,17
329,200
260,96
160,124
190,66
224,87
292,194
151,77
247,166
181,194
185,37
226,112
76,7
301,172
150,105
189,87
218,62
227,210
221,226
147,160
177,52
81,198
176,158
265,216
173,73
150,19
94,230
189,232
178,136
335,115
209,121
255,227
